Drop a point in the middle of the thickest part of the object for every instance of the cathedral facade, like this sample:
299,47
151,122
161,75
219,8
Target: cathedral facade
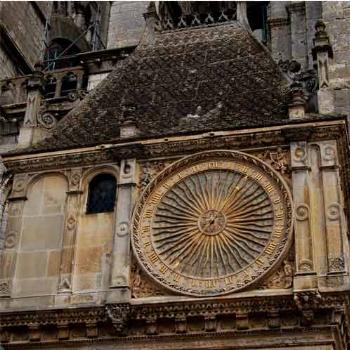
174,175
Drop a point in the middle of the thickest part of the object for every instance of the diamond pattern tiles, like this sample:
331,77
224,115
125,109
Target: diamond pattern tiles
184,72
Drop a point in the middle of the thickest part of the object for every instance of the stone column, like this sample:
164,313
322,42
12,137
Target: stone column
120,284
305,274
34,98
14,226
296,107
313,12
298,33
4,180
322,52
69,235
152,24
333,208
280,31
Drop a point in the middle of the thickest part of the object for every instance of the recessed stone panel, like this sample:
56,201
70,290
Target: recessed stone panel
42,232
31,264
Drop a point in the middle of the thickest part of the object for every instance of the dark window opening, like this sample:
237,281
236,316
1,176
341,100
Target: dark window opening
257,18
59,54
50,87
102,194
69,84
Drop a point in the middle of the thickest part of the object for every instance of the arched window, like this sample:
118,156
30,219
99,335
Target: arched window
102,193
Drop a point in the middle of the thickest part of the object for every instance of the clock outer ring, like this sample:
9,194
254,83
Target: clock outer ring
225,155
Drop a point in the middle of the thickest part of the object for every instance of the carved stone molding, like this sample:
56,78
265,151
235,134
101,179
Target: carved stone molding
307,301
176,147
129,322
11,239
299,155
302,211
19,187
4,288
282,278
336,264
119,315
149,170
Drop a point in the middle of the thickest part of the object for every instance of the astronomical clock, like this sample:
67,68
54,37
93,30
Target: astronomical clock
212,223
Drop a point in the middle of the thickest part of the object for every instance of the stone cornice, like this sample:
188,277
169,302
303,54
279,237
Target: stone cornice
118,320
246,139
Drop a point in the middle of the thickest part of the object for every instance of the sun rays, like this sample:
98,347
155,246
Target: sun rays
212,224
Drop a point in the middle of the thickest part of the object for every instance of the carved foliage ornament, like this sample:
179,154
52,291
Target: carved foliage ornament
212,223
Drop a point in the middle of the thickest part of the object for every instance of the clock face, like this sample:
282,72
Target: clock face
212,223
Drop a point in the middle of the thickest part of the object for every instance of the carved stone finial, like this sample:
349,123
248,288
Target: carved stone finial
297,103
321,40
321,52
128,127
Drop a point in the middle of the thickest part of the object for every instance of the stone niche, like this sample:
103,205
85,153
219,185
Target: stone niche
37,265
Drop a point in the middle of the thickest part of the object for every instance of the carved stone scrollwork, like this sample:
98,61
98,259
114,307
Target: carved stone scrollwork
119,315
47,120
278,159
282,278
140,285
336,264
149,170
306,265
4,288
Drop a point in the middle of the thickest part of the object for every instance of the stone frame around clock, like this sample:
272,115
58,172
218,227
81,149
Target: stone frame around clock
208,156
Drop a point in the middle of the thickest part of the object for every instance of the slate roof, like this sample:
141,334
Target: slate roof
187,80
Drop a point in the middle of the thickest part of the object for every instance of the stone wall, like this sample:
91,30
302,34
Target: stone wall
24,23
336,15
126,24
7,67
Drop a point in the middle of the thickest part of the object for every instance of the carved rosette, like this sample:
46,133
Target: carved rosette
212,223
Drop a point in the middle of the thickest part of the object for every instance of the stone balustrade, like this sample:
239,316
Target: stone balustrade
62,83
